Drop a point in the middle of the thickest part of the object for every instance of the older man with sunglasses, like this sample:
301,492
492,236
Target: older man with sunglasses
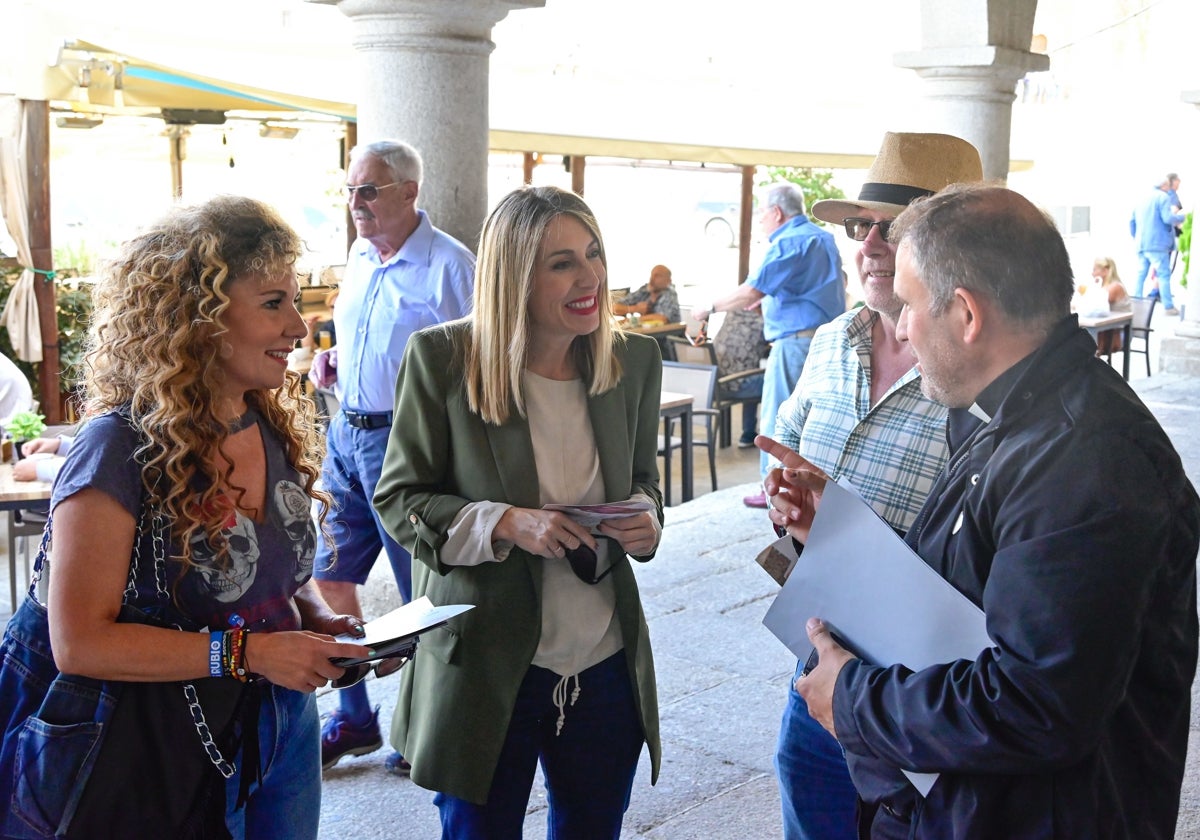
402,274
858,412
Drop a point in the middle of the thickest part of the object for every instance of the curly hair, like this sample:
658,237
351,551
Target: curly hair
154,350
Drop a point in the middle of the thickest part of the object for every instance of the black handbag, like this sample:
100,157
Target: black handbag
105,759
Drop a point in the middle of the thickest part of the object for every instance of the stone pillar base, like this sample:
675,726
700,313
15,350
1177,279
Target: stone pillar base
1181,352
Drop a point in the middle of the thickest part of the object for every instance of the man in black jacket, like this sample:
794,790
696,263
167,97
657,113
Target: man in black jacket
1065,514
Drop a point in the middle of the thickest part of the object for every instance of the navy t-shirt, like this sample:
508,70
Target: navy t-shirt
268,560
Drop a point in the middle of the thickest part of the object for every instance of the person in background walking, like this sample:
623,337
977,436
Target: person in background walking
1152,225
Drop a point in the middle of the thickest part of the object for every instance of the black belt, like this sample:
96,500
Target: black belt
368,420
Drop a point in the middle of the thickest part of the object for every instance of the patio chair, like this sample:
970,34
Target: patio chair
1143,312
682,350
1139,329
700,381
327,405
24,532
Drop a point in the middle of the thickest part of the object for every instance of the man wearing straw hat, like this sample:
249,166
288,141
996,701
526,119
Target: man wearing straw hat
858,412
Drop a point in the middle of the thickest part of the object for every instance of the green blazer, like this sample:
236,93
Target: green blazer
457,696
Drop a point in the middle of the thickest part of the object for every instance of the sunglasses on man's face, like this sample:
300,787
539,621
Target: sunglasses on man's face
583,562
367,192
859,229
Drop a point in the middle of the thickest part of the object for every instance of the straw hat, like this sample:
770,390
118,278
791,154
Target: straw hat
907,167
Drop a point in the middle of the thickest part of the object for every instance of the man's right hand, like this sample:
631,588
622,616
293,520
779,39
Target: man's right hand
323,372
793,489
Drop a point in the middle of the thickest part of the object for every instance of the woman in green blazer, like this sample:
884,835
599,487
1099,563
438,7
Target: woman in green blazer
534,400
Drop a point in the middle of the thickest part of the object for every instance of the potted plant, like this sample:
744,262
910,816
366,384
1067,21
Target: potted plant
23,426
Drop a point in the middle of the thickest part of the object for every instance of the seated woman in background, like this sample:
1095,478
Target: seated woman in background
1105,270
656,297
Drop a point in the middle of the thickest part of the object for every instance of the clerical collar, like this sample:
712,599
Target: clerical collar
963,422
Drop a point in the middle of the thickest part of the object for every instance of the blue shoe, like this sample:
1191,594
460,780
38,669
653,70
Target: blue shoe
396,765
339,737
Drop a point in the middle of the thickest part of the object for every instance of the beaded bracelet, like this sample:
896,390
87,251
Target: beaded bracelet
236,664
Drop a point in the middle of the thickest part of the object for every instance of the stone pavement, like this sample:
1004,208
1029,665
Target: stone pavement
722,679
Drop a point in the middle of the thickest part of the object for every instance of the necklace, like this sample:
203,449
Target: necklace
243,422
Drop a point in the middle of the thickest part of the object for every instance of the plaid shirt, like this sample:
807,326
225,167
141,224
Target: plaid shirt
891,452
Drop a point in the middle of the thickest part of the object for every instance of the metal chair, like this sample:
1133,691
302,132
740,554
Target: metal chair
1139,327
25,526
1143,312
327,405
700,381
682,350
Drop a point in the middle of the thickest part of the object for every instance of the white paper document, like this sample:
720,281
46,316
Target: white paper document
874,592
401,625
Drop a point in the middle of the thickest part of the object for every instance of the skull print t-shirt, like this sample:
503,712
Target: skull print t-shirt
268,560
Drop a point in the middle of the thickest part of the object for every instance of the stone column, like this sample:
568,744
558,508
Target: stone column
972,56
1181,353
423,79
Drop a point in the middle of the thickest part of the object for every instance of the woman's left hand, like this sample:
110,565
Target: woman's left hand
637,534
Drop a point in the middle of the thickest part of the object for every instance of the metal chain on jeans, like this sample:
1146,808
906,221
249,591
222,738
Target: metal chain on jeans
157,528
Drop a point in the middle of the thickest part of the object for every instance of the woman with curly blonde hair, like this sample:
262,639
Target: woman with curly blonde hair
192,415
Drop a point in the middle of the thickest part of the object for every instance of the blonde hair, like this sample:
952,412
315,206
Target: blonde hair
498,346
1107,262
154,349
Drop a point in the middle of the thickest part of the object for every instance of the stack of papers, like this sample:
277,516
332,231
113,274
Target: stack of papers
589,516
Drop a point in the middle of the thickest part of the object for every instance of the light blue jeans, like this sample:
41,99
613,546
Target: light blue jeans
784,365
287,804
1162,270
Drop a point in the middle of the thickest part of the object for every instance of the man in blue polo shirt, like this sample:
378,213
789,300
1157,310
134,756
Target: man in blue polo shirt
402,274
800,286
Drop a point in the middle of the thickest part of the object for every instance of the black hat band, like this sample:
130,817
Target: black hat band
892,194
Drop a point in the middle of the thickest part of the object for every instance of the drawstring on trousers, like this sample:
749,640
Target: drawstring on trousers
560,700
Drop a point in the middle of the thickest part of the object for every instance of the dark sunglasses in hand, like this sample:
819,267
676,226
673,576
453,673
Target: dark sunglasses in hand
583,563
859,229
354,674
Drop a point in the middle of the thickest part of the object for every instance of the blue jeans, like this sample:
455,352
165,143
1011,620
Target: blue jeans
287,804
818,798
784,366
353,462
1162,270
57,753
589,766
